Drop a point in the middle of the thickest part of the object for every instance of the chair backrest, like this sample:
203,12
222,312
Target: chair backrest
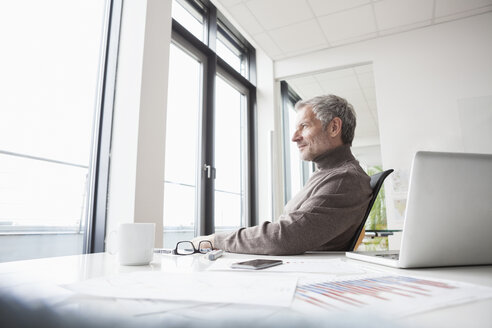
376,183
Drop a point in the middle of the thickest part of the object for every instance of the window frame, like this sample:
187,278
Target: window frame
198,53
92,226
216,65
245,153
237,45
101,151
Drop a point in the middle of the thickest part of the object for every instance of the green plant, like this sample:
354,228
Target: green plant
377,216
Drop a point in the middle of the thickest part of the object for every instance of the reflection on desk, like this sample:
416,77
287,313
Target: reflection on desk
32,294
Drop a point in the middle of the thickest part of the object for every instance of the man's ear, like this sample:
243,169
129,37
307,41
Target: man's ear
335,127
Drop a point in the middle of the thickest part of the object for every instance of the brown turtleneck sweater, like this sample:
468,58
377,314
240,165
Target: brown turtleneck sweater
324,215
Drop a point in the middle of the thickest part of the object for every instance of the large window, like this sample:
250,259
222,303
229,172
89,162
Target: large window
182,145
209,169
232,50
230,154
53,65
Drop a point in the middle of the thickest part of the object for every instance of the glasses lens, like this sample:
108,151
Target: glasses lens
205,246
185,248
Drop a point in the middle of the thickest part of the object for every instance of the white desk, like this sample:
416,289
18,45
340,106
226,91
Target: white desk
33,281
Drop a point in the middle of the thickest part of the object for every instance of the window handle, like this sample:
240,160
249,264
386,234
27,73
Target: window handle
210,171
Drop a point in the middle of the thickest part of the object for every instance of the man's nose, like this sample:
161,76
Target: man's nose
296,136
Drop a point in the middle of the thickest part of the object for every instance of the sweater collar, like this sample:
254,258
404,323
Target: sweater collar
334,157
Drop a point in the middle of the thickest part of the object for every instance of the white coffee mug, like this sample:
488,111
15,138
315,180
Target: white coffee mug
135,243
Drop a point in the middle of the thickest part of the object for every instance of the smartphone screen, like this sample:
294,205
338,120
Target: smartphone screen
256,264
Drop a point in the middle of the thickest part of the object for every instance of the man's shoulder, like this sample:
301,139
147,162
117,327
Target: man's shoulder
348,174
348,169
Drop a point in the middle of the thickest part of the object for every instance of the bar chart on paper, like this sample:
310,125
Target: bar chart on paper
390,295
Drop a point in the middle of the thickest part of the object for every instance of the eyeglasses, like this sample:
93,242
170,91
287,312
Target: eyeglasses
187,248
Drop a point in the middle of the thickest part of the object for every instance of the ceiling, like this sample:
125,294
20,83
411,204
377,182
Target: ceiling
286,28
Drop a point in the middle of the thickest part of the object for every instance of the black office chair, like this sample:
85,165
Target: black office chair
376,183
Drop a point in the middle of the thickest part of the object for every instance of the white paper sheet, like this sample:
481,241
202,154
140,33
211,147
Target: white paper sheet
217,287
335,267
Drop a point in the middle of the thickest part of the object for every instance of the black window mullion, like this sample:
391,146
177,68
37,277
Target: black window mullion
252,145
284,92
207,221
252,66
212,28
235,74
189,37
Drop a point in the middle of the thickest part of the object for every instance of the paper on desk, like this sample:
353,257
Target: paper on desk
337,267
387,295
220,287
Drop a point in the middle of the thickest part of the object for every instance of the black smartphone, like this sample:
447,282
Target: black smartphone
256,264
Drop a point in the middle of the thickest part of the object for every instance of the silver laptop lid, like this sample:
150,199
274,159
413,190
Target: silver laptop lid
448,220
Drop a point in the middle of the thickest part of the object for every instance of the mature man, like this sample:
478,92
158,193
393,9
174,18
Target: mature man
326,213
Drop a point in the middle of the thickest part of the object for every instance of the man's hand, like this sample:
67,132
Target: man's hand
196,241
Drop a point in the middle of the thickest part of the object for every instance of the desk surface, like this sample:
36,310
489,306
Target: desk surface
28,281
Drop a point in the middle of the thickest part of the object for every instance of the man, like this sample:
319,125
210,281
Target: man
326,213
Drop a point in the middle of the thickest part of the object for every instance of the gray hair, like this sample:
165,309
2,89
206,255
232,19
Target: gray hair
327,107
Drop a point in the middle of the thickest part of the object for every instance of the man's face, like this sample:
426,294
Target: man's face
312,140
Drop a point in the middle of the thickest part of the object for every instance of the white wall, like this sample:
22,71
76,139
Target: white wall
433,87
265,128
136,182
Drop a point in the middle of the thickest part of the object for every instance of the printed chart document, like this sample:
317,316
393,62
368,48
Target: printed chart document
335,285
388,295
215,287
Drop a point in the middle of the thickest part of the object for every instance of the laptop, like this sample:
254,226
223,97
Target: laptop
448,218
